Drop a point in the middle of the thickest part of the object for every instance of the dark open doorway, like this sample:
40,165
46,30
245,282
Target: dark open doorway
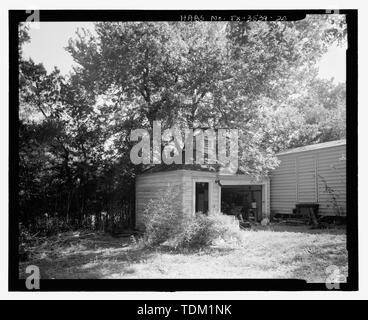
242,200
201,197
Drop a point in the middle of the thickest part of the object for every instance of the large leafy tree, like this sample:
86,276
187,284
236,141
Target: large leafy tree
63,161
210,74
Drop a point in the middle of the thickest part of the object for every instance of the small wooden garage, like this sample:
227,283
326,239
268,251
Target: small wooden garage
311,174
203,190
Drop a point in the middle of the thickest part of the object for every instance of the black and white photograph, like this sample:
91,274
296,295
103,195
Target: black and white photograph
176,150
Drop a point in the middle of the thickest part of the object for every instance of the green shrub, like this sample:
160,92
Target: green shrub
161,218
203,230
164,223
226,227
195,232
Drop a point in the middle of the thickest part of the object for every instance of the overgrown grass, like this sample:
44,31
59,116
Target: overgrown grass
270,252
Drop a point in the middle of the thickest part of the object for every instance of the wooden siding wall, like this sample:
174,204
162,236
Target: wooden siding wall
299,178
150,186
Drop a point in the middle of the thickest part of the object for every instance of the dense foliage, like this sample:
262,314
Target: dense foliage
161,219
164,224
257,77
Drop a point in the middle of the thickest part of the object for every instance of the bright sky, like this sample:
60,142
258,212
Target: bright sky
50,38
48,42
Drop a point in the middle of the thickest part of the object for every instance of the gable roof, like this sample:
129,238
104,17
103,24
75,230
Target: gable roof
170,167
315,147
192,167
